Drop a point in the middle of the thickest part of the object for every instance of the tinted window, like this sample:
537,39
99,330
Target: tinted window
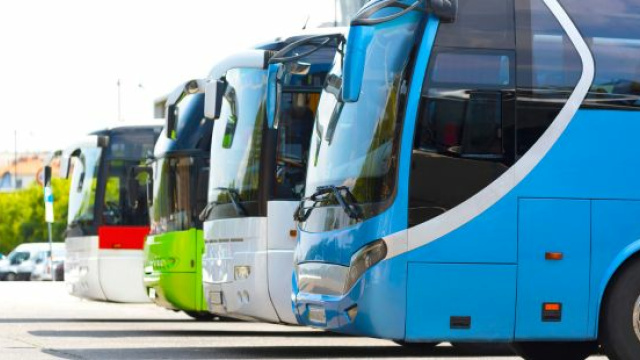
487,24
465,130
472,68
118,209
132,143
549,68
612,31
297,114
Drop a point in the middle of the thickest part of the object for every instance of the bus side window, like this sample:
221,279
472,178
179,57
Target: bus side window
464,137
465,132
614,39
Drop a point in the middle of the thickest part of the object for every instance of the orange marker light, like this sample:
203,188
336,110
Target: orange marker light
554,256
552,307
293,233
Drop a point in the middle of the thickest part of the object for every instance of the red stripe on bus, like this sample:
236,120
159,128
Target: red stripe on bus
122,237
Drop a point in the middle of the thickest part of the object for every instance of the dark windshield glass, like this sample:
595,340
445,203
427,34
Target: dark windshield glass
118,209
84,182
16,258
132,143
178,198
355,144
236,144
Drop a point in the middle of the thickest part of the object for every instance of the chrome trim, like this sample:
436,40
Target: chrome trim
438,227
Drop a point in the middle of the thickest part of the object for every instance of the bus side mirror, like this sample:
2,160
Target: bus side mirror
360,38
445,10
272,93
65,166
103,141
213,94
172,121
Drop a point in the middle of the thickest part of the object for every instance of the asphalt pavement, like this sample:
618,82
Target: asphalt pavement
41,321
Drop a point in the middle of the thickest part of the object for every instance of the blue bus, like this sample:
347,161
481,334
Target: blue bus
471,178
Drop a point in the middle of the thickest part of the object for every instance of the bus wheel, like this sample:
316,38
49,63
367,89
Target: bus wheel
620,324
555,350
416,345
10,277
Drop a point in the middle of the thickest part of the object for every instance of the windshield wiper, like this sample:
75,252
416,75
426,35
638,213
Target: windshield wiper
234,196
236,201
348,203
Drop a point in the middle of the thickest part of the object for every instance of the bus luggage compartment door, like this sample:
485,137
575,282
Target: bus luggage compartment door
554,249
460,302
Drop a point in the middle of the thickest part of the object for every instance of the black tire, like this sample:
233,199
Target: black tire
621,307
555,350
10,277
416,345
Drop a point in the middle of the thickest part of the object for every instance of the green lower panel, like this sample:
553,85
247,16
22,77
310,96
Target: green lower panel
173,269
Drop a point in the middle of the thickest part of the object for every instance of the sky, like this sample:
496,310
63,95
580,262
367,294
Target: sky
61,61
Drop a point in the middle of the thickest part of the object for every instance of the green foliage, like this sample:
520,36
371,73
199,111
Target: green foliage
22,215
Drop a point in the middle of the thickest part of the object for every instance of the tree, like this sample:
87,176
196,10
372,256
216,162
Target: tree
22,215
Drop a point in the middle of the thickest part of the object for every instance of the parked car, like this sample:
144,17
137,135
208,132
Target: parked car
45,265
10,268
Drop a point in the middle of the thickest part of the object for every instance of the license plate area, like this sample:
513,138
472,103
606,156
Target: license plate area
152,293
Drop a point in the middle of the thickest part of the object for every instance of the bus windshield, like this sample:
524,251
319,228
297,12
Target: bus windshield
236,145
355,145
176,197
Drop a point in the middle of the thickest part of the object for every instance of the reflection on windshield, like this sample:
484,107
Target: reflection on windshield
83,187
237,139
176,204
356,144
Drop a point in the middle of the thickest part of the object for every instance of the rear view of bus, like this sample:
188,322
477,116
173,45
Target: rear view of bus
475,178
107,224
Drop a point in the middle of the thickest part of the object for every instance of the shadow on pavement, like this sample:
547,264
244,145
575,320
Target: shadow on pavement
106,321
260,352
111,334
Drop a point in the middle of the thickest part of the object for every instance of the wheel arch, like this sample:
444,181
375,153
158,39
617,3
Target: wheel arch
628,256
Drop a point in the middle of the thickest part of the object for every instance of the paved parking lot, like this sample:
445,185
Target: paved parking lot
40,321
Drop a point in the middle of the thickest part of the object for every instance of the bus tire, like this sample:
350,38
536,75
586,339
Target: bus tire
620,323
10,277
555,350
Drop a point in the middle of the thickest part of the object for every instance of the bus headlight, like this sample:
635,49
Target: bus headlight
364,259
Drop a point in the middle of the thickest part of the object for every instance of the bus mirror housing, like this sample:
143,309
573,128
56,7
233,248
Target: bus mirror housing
103,141
272,93
360,38
172,121
213,94
65,166
445,10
